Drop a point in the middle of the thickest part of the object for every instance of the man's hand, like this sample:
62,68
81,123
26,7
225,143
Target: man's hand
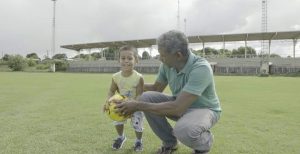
116,98
127,107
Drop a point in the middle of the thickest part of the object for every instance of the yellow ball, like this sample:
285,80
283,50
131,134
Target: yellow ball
111,112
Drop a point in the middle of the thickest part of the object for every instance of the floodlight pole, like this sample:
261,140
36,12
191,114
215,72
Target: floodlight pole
178,16
53,28
184,25
264,26
264,68
294,47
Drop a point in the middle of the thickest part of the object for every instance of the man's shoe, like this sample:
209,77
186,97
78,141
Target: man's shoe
118,143
138,146
167,150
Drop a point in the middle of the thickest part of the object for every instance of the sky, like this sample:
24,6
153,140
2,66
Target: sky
26,25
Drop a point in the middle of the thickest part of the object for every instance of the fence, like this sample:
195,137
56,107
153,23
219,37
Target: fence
111,66
221,66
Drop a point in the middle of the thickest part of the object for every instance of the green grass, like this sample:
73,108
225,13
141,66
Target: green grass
61,113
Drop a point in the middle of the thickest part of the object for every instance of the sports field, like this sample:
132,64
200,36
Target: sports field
61,113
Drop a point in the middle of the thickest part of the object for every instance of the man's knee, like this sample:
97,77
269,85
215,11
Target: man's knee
187,131
146,96
196,137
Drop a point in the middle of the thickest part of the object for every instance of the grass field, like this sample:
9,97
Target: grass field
60,113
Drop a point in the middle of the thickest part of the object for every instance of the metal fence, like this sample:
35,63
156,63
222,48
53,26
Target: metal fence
221,66
110,66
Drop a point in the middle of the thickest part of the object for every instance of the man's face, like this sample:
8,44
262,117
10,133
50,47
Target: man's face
167,58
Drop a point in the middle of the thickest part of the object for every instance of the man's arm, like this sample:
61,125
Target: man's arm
139,88
157,86
172,108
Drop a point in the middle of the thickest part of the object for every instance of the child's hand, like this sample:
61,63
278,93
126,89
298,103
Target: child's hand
105,107
117,98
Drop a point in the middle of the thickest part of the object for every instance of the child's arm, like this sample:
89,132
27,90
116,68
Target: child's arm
113,88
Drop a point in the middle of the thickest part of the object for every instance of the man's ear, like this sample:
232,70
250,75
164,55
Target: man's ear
179,54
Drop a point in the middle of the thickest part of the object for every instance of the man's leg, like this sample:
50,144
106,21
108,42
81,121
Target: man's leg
192,129
159,124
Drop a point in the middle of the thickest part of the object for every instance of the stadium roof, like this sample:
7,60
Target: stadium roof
144,43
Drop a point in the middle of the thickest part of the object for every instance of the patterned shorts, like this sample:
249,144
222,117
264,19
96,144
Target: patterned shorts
136,121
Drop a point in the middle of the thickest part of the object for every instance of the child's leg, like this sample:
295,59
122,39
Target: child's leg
137,124
139,135
120,129
119,141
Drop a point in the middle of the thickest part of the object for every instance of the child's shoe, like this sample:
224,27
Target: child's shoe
118,143
138,146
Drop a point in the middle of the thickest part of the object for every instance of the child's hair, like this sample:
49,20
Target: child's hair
129,48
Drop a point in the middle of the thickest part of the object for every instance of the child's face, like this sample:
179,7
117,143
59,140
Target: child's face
127,60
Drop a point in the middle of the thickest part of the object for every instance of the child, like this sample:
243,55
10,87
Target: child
129,83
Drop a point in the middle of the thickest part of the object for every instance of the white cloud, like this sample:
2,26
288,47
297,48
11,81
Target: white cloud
296,27
26,24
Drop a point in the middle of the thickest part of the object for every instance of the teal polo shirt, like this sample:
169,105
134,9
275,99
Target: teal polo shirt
196,78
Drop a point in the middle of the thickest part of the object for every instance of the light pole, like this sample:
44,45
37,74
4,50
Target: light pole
265,46
52,68
178,16
53,28
184,25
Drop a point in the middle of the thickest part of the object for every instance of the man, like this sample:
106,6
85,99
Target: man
194,103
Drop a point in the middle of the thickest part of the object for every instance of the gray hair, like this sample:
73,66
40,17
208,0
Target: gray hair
173,41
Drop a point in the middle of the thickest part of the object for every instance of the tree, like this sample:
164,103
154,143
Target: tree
145,55
61,56
211,51
5,57
208,51
31,62
111,53
82,56
16,63
32,56
273,55
46,57
225,52
96,55
32,59
61,65
240,52
197,52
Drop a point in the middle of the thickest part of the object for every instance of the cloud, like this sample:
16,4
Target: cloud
26,24
295,27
